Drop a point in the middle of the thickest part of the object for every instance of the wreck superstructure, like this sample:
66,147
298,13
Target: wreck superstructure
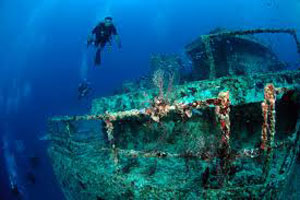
235,136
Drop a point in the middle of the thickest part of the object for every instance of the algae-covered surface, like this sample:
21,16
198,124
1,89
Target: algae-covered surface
232,137
186,163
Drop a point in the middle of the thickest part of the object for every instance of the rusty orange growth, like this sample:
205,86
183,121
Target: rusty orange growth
222,111
161,108
268,109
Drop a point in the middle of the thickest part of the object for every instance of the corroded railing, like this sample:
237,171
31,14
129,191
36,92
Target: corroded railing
291,32
160,109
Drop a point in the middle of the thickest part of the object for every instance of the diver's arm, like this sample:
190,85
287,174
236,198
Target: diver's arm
91,37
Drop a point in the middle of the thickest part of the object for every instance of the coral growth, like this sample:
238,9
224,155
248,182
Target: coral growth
159,109
159,80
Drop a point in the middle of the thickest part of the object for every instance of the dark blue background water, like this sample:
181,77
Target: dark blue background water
43,58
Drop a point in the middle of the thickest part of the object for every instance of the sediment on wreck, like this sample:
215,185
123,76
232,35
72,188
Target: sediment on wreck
232,136
183,149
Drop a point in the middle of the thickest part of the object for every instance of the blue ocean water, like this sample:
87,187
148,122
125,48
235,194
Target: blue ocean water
43,58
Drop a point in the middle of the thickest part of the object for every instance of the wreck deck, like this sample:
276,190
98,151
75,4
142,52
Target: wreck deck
121,151
243,89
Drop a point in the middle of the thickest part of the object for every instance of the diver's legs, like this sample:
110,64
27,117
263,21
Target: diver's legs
98,57
98,53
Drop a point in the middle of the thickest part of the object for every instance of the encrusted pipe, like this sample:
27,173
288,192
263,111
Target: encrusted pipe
222,111
268,128
268,109
109,127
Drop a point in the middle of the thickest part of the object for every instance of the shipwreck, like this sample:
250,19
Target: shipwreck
227,129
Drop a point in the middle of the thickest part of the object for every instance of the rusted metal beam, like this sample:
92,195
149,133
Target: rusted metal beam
291,32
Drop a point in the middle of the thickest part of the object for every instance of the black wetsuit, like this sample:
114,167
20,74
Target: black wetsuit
103,35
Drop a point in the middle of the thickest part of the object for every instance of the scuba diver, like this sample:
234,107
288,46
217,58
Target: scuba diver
11,169
84,89
102,35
